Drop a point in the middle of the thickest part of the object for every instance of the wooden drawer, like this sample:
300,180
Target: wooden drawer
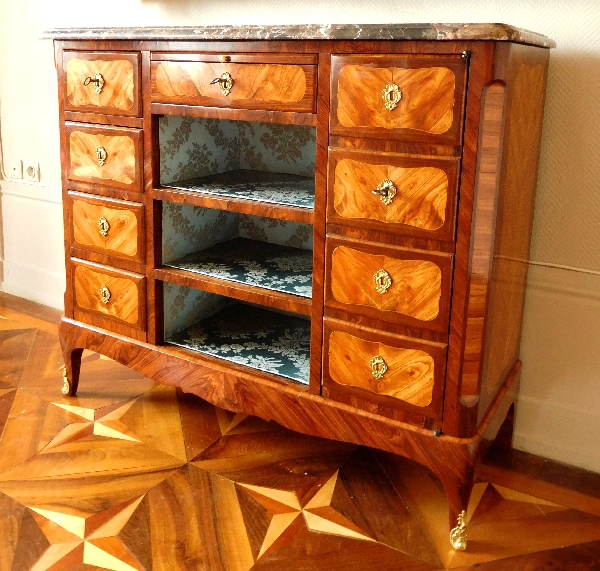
429,97
110,227
394,284
110,156
381,373
421,200
277,84
102,82
114,294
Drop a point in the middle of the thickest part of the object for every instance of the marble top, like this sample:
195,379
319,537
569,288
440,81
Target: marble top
496,32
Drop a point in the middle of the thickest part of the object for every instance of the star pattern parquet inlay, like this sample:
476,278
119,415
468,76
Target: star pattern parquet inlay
129,475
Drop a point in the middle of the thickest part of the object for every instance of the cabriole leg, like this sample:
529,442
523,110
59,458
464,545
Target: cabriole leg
72,367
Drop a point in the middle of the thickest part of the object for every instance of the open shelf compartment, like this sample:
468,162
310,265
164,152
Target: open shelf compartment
261,339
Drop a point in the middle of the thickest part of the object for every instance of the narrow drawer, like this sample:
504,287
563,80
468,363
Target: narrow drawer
250,85
107,226
411,97
394,284
102,82
395,193
111,293
382,373
109,156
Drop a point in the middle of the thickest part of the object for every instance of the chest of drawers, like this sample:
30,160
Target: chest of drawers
321,230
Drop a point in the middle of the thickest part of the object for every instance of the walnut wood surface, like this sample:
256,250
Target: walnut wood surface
424,204
123,164
125,237
121,89
255,86
409,375
126,292
430,108
418,293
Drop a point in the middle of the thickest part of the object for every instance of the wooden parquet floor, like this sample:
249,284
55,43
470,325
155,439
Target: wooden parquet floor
130,475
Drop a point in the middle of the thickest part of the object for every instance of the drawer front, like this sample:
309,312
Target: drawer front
395,193
380,372
111,227
394,284
111,293
107,156
102,82
417,98
279,87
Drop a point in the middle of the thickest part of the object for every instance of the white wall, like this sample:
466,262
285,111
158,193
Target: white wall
559,412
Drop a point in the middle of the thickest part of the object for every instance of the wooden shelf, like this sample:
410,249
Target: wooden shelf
269,266
273,195
256,338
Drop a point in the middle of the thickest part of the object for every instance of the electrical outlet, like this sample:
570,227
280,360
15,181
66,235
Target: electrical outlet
31,171
15,170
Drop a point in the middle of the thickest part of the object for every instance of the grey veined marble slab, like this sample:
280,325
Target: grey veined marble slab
497,32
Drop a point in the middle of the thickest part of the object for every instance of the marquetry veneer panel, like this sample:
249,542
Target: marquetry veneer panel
425,199
413,370
127,293
270,86
120,93
431,103
119,166
124,236
418,291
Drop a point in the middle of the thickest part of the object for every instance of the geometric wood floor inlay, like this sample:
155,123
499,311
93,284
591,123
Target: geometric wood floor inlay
130,475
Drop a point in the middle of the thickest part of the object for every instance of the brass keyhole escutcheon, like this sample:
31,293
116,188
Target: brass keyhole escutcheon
382,280
104,295
225,83
101,155
391,95
103,226
386,191
378,367
97,80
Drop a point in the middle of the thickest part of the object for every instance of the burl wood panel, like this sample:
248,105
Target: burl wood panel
125,235
431,101
419,290
527,72
122,166
120,92
409,375
126,292
424,204
255,86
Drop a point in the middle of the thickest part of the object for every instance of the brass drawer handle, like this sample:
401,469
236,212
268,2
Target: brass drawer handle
103,226
104,295
378,367
97,80
101,155
225,83
391,95
382,280
386,191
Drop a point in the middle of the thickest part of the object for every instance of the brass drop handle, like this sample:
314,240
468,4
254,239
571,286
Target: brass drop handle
225,83
97,80
383,281
104,295
378,367
386,191
391,95
101,155
103,226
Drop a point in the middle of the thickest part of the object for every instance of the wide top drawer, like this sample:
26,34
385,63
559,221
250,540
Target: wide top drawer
102,82
242,82
410,97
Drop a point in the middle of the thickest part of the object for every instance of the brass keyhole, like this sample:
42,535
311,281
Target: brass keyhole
97,80
386,191
225,83
101,155
378,367
104,295
103,226
391,95
383,281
